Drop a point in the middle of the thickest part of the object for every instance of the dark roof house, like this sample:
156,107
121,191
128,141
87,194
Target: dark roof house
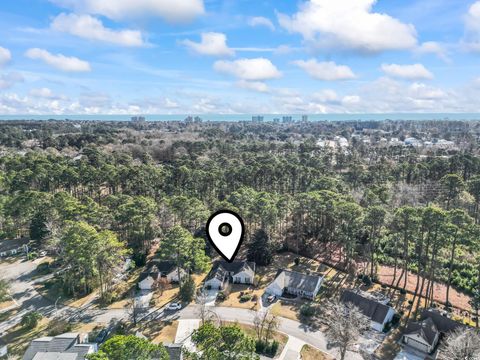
377,312
425,329
242,272
443,323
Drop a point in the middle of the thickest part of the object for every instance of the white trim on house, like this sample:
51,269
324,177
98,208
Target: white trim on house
380,326
147,283
173,275
417,342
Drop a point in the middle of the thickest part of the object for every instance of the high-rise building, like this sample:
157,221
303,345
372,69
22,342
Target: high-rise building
257,118
287,119
138,119
304,118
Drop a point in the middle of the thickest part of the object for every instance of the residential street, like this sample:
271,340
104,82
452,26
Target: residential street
28,299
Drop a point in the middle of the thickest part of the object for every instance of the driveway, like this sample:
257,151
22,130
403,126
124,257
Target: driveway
184,333
292,349
211,297
142,299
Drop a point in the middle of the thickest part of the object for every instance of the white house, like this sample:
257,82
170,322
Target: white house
295,283
422,335
223,273
376,310
159,269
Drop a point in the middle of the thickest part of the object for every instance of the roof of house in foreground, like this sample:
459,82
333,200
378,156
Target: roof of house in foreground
62,347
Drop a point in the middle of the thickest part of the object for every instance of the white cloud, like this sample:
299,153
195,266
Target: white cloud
386,95
433,47
261,21
10,79
5,56
213,44
253,85
472,26
59,61
88,27
175,11
349,24
326,96
45,93
409,72
327,71
258,69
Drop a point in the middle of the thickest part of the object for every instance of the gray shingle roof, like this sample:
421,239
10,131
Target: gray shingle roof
293,279
426,329
443,324
221,268
54,356
372,309
174,351
61,347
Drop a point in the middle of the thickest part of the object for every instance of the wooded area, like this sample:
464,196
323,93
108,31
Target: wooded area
95,192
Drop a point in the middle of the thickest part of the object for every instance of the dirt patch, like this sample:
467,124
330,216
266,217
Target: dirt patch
310,353
162,332
456,298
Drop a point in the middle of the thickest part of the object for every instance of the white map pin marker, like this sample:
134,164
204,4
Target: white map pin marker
225,232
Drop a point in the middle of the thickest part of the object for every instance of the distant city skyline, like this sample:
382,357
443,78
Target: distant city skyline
126,57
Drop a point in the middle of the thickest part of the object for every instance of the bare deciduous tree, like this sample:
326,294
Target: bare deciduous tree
265,324
345,325
461,344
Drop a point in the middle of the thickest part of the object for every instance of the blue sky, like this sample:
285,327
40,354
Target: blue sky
238,56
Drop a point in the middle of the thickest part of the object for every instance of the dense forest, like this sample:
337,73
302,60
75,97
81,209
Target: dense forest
376,201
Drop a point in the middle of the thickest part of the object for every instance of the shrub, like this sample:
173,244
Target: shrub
32,255
30,320
245,298
366,280
387,328
266,348
297,261
403,291
221,296
272,350
259,347
255,297
396,319
307,310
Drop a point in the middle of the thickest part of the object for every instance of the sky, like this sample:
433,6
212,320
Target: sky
239,56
